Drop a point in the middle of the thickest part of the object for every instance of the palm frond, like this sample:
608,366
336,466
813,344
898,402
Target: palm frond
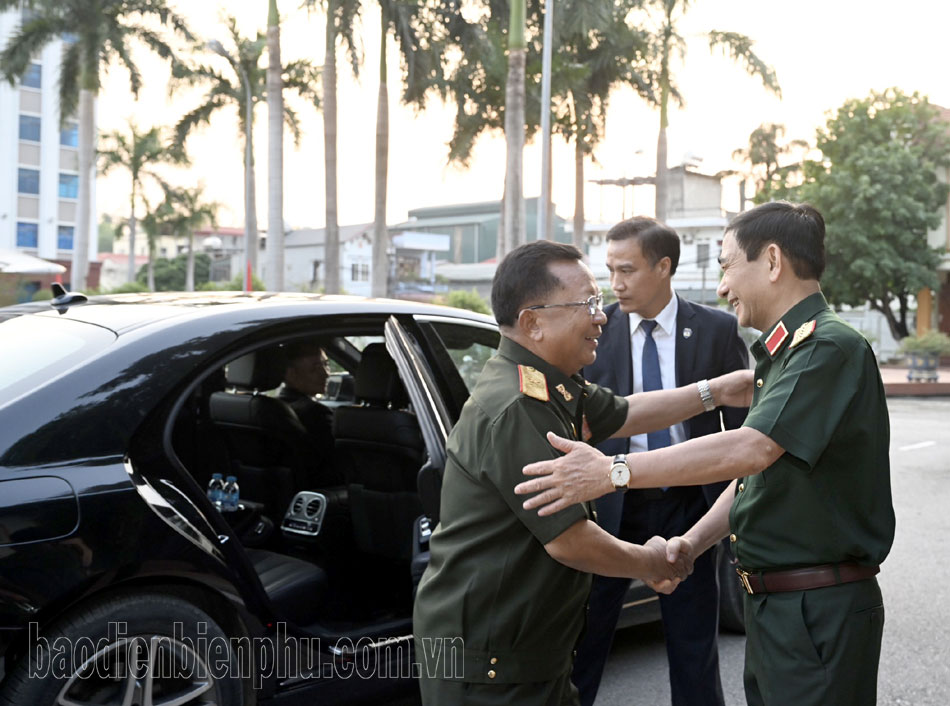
26,42
740,48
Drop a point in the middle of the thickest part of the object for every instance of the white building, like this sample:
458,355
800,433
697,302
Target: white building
39,161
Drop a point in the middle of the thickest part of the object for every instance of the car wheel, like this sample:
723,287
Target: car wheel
148,649
730,591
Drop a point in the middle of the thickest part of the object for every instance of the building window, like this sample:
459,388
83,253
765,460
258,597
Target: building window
69,135
64,238
33,78
27,234
69,186
30,128
364,271
359,273
28,181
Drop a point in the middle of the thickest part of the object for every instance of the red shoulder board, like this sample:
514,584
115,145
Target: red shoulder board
776,338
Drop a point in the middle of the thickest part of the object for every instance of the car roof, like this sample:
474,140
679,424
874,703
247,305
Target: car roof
122,313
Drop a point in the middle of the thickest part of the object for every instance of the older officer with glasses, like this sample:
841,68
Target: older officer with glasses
500,607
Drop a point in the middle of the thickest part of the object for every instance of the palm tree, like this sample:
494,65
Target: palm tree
739,48
597,50
186,212
136,151
763,159
103,31
513,210
400,17
247,77
341,21
275,154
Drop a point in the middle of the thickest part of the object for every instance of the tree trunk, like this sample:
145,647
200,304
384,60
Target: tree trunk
250,198
190,263
332,241
380,234
87,156
132,224
662,173
579,192
275,155
151,267
514,227
898,328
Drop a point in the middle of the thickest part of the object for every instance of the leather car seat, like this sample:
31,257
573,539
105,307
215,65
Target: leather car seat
387,450
270,450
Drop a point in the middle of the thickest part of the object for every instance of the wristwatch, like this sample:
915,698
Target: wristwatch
705,394
619,472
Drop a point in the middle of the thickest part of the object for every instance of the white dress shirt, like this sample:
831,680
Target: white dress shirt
665,337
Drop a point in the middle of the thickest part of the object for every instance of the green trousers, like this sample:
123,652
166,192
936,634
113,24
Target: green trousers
442,692
814,648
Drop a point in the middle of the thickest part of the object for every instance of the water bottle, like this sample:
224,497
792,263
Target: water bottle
231,495
216,490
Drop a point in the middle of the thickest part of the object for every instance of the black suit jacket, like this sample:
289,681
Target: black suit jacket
713,348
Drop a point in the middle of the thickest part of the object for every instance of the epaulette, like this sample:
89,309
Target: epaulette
533,383
803,332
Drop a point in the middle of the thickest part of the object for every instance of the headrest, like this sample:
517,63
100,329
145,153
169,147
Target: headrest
377,380
260,370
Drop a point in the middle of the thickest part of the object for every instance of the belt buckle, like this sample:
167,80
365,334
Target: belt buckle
744,580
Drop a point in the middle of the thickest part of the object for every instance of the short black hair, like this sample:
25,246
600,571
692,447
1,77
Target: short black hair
797,228
657,240
524,277
301,348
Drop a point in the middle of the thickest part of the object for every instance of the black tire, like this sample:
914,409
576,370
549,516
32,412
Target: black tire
730,591
90,658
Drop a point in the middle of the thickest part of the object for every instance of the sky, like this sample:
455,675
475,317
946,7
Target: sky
823,51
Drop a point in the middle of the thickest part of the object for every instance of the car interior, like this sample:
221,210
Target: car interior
338,537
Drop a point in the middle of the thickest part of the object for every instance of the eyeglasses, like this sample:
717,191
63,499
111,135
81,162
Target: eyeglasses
593,303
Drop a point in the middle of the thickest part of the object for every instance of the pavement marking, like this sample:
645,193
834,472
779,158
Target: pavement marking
914,447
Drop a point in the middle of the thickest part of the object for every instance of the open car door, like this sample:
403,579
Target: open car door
435,424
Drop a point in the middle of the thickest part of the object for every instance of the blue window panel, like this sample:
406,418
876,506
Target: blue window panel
28,181
69,135
27,234
33,78
64,240
30,128
68,186
70,38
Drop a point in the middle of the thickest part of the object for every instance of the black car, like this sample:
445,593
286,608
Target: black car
123,582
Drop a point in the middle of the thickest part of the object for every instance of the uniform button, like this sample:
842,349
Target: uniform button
741,487
733,538
494,660
759,383
491,673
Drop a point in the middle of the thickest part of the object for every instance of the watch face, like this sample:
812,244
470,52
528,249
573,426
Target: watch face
620,474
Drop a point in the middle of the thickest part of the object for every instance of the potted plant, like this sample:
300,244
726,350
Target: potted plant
924,353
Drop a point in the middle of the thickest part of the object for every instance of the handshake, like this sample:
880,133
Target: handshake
667,563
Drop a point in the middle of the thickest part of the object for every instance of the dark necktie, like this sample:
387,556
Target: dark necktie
650,369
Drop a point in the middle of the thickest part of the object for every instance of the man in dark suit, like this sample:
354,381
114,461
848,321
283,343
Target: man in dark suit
655,339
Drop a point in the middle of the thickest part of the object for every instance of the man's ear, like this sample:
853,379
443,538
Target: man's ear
529,324
776,260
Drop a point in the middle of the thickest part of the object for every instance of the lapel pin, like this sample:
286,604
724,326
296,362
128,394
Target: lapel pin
687,332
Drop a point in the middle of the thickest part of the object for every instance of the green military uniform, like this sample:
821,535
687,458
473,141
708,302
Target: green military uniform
827,500
496,618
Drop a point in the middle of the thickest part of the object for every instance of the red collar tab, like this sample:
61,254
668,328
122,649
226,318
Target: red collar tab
776,338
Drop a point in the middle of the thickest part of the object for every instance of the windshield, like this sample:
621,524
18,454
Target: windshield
35,349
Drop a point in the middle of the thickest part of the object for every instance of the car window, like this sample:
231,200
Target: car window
35,349
469,347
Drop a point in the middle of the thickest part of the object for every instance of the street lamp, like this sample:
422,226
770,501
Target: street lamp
215,46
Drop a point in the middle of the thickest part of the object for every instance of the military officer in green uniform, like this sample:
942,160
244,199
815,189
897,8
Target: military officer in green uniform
501,605
809,513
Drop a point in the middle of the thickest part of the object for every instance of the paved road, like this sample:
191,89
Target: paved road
915,660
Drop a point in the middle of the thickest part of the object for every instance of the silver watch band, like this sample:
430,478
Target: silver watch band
705,394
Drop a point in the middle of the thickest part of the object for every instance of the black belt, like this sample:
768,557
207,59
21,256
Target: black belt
805,579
